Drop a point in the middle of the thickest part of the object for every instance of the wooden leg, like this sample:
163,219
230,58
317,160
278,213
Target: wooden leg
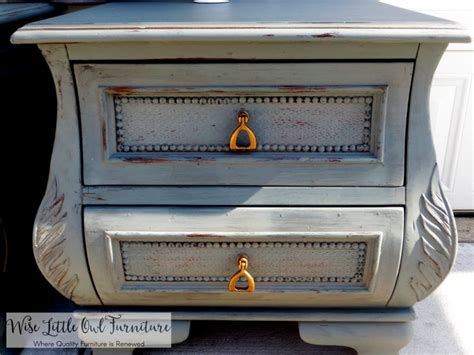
367,338
179,333
115,351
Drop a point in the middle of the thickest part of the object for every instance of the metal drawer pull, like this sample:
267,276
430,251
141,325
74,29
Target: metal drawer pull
243,263
243,118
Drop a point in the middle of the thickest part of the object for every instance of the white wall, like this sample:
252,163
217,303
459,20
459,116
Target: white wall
451,102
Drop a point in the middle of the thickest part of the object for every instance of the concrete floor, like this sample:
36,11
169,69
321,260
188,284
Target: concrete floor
445,319
465,227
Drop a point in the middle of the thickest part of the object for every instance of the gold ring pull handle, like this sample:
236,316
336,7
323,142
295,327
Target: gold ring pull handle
243,118
243,263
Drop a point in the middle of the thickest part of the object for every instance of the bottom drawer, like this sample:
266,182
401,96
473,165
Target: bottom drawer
300,257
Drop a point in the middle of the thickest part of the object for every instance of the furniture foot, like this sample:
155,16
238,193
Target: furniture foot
367,338
180,332
112,351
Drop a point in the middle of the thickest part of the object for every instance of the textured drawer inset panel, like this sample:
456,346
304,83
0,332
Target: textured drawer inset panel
198,123
276,261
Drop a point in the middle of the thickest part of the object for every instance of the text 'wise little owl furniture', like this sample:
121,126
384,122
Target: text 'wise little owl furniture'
255,160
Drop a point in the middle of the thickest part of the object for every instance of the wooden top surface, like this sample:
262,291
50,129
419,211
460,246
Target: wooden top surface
257,20
12,12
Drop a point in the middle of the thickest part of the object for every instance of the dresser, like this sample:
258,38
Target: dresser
256,160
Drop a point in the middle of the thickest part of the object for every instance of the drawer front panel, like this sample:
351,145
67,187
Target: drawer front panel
186,256
330,124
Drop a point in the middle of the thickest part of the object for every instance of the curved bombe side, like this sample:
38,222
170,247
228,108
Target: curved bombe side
57,236
429,248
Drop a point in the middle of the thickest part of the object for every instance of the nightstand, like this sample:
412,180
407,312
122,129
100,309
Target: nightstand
257,160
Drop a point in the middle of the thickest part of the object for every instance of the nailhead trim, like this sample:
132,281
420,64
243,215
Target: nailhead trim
265,147
243,100
357,277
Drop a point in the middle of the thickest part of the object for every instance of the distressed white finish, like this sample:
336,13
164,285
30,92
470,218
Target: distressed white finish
340,143
386,201
369,338
437,228
242,196
388,315
290,50
57,235
430,229
119,238
245,20
459,11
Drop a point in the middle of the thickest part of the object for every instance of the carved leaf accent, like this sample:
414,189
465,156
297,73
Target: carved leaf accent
437,229
50,239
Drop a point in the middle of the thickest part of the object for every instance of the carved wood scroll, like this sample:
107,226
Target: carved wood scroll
49,241
437,229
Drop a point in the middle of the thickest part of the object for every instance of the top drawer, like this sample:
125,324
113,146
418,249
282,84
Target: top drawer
315,124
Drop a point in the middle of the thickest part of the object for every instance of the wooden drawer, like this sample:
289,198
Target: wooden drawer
316,124
297,256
